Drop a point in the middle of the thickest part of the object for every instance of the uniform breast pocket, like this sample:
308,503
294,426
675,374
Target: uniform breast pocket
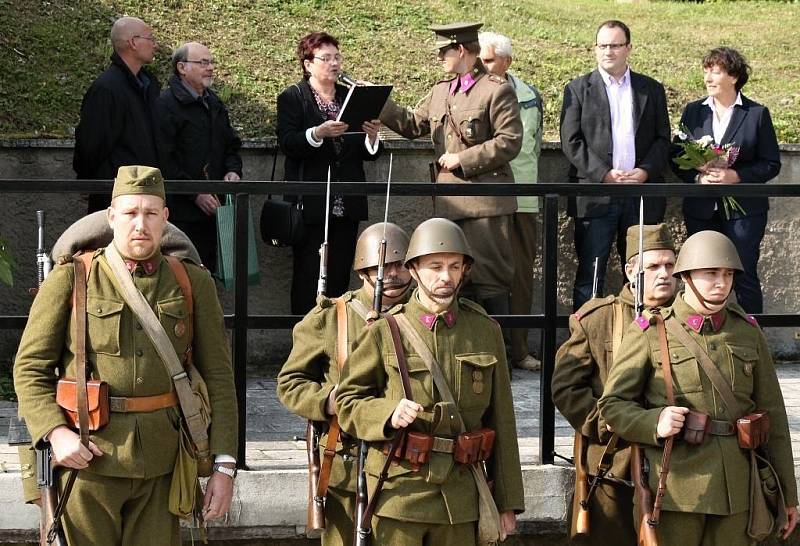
685,370
473,126
475,386
419,379
743,365
103,324
173,315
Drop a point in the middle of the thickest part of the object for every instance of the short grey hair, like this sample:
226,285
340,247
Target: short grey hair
180,55
500,43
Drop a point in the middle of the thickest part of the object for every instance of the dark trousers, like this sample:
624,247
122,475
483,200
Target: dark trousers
746,234
593,239
204,237
342,234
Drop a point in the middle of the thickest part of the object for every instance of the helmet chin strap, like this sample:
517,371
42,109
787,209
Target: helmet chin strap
703,301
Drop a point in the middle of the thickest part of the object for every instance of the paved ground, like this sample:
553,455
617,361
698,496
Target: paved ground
271,429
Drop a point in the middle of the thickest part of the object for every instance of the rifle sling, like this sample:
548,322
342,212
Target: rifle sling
333,424
402,365
710,369
666,368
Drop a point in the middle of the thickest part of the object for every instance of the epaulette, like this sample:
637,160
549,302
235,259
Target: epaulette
736,309
396,308
65,259
323,302
347,296
593,305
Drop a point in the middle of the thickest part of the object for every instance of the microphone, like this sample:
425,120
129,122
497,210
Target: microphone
347,80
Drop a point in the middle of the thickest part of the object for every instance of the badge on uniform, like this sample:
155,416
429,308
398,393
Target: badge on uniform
748,369
180,328
477,381
469,132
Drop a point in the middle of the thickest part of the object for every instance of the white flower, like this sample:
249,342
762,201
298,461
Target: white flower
682,135
706,141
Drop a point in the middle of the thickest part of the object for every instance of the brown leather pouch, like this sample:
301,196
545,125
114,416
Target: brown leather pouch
97,398
752,430
695,427
399,452
487,443
418,448
468,447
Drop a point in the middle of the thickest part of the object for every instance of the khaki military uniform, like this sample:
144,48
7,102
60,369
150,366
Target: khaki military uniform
441,496
490,129
304,383
707,495
582,366
122,496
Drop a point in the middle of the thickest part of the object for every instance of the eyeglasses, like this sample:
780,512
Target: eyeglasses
612,47
329,59
150,38
202,62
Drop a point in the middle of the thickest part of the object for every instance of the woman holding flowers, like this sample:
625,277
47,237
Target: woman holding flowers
727,138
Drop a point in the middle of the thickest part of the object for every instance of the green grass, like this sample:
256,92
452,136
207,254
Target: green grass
51,51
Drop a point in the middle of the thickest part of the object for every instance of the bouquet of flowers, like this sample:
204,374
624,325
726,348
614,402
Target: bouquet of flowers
704,152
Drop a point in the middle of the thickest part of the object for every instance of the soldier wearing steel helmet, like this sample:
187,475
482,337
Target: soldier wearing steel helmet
707,498
435,501
307,382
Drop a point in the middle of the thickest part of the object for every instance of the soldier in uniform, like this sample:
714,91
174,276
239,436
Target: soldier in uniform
474,122
307,382
707,497
582,366
123,486
436,500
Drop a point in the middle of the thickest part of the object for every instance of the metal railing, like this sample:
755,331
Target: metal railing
548,321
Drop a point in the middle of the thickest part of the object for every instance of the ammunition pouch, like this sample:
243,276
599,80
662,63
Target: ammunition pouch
467,448
97,401
696,427
475,446
753,430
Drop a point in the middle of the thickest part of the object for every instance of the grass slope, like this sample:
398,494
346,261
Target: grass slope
51,50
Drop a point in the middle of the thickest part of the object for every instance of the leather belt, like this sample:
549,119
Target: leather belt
443,445
143,404
721,428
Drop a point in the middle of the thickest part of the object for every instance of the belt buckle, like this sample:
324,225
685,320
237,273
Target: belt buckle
443,445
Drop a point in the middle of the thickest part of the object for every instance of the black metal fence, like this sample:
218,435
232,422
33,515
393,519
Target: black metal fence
548,321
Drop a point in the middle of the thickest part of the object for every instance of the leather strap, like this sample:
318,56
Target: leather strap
710,369
617,329
190,406
179,271
79,321
666,368
333,424
142,404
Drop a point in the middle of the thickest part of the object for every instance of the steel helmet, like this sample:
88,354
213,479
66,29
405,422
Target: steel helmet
705,250
438,235
368,245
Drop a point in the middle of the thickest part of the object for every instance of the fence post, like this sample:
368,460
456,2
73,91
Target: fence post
240,287
547,418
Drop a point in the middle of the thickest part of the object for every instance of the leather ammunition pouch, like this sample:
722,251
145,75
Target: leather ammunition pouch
698,426
468,447
97,398
753,430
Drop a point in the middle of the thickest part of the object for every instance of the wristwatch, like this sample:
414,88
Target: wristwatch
230,472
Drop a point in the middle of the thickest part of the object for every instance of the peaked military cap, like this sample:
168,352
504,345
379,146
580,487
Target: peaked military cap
455,33
656,237
137,179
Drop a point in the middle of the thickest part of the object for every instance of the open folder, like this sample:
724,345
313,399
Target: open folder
363,103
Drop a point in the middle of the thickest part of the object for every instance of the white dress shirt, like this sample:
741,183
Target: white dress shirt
720,124
623,135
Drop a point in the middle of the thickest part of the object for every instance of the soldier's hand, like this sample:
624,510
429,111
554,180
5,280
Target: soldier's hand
219,493
330,129
449,161
670,421
68,450
791,512
405,413
330,403
508,524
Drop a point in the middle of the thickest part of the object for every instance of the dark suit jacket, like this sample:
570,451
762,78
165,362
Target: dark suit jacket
297,111
586,138
759,158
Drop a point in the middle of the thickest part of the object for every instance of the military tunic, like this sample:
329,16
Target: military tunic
582,366
711,479
488,136
304,383
469,348
136,446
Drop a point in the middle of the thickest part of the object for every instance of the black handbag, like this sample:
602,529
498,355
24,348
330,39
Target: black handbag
281,222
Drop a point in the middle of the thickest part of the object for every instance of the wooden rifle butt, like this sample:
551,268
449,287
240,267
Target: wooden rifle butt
315,514
580,516
647,533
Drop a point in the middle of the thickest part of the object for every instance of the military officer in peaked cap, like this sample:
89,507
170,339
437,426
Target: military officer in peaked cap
707,498
434,499
474,122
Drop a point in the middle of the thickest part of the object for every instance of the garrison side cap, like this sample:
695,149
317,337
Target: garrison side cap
707,250
656,237
455,33
140,180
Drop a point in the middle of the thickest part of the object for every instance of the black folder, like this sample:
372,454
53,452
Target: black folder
363,103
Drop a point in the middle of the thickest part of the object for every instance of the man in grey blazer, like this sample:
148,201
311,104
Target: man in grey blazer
614,130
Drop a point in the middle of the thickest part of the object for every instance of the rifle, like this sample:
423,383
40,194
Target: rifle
639,293
643,497
595,280
580,506
363,529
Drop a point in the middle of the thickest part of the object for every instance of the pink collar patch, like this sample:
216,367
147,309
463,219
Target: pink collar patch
429,319
695,322
148,266
462,83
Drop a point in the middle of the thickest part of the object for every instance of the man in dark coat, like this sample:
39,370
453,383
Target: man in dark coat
116,125
196,142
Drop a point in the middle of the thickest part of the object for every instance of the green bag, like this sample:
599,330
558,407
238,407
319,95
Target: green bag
226,229
767,503
183,494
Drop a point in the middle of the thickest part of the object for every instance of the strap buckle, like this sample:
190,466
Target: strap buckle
443,445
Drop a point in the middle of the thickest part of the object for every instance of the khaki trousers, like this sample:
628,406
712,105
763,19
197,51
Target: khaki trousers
690,529
340,508
408,533
610,517
490,241
109,511
523,244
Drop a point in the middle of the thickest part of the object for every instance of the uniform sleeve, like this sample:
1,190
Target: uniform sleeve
506,142
768,397
406,122
573,142
573,394
301,381
620,404
363,410
40,353
212,357
504,466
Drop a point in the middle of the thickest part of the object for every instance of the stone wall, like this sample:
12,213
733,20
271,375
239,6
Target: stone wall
53,160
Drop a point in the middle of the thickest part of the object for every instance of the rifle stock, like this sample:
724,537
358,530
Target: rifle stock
362,535
315,513
643,497
580,508
48,487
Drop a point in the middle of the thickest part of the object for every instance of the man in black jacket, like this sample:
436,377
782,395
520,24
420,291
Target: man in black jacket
196,142
116,125
614,130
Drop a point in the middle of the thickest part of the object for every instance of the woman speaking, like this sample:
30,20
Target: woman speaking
313,141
